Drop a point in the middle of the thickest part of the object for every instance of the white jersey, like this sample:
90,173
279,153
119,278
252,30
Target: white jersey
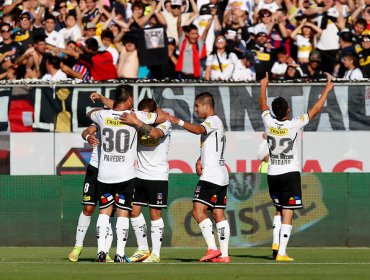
282,138
212,146
94,159
153,155
118,145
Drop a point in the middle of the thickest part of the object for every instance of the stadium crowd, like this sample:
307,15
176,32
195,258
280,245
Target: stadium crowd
216,40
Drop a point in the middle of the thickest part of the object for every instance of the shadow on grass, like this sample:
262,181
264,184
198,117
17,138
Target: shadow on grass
253,257
183,260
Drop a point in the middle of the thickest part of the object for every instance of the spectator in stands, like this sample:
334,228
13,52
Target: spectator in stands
24,36
191,50
128,65
72,31
54,38
281,32
266,22
350,64
90,12
262,50
312,70
62,10
10,51
364,55
293,72
54,73
244,69
221,62
100,64
279,68
107,45
347,46
172,18
304,35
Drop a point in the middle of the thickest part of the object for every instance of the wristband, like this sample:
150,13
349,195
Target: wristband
87,137
181,123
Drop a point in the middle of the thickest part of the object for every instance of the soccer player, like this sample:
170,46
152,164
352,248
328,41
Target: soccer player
283,174
210,193
152,183
116,175
90,198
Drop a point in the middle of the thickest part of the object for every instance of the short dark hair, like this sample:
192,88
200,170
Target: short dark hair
92,44
49,16
190,27
362,22
53,60
107,34
123,93
280,108
147,103
281,50
206,98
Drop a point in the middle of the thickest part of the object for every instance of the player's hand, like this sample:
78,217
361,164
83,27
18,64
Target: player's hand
199,167
329,85
265,81
129,118
161,115
173,119
92,140
95,96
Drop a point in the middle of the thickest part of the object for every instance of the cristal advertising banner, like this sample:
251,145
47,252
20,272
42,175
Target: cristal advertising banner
334,213
63,108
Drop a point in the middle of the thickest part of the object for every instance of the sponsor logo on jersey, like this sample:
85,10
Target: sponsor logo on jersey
149,142
225,199
86,198
120,198
295,200
106,198
279,131
113,122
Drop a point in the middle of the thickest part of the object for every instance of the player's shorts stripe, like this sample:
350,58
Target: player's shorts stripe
220,206
204,202
292,207
140,203
157,206
107,205
124,208
88,203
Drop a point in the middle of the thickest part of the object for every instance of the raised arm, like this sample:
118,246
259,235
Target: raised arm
94,96
317,107
263,98
143,129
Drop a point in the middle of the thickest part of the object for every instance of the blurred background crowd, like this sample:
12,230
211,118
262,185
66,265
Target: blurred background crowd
215,40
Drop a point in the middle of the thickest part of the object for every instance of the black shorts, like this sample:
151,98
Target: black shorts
90,194
119,193
285,190
151,193
212,195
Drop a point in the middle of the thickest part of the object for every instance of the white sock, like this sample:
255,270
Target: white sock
141,232
102,229
109,240
276,230
157,228
284,238
206,227
223,231
122,227
82,227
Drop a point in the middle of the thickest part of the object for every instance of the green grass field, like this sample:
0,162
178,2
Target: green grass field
247,263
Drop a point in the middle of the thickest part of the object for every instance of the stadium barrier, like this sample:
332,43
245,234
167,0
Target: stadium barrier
43,211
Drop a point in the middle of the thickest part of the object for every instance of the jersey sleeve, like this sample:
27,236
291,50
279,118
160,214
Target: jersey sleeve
165,127
96,117
266,117
145,117
209,125
301,121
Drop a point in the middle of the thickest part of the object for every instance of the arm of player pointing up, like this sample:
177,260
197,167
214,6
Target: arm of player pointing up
263,98
317,107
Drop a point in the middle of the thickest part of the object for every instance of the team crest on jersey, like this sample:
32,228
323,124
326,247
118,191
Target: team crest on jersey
275,199
147,141
120,198
113,122
159,196
225,199
197,189
295,200
214,199
106,198
302,118
86,198
279,131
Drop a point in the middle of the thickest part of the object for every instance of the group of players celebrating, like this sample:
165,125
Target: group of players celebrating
121,135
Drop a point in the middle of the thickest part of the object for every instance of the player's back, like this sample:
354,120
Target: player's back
212,149
282,138
118,147
153,155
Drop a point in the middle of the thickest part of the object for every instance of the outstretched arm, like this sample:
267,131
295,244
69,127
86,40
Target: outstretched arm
144,129
317,107
193,128
106,101
263,97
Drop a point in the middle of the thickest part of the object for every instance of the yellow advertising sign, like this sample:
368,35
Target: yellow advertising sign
249,212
